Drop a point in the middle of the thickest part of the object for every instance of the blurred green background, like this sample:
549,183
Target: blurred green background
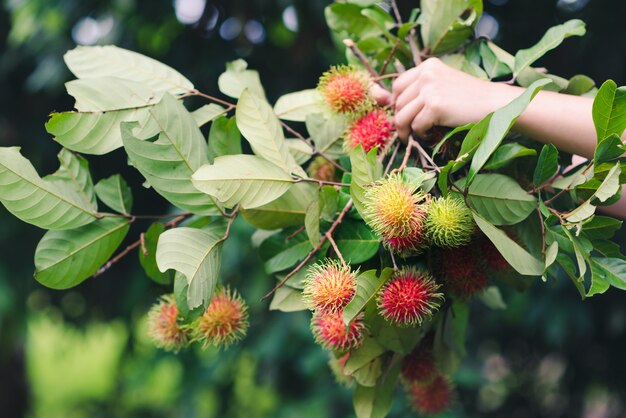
84,352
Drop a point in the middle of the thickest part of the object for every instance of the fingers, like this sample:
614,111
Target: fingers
406,79
382,96
405,117
408,95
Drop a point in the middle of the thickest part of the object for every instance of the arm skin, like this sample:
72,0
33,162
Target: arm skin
434,94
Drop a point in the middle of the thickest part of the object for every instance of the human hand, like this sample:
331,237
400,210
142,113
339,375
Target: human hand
434,94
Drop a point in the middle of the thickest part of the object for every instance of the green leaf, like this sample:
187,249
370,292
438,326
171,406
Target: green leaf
247,180
445,25
259,125
601,227
547,164
419,178
207,113
48,205
356,241
116,194
345,17
312,223
367,286
499,125
110,93
506,153
95,133
298,105
327,133
462,63
552,38
609,110
73,173
281,251
608,149
368,351
224,138
64,259
287,299
110,61
169,162
522,261
375,402
579,85
607,189
366,169
449,346
196,254
148,261
300,151
288,210
238,78
492,64
610,270
492,298
499,199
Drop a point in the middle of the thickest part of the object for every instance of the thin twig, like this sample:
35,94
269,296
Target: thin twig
390,75
334,245
421,150
543,232
296,232
213,99
392,158
298,179
142,239
388,59
313,251
359,54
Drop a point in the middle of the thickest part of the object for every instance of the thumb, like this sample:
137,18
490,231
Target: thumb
382,96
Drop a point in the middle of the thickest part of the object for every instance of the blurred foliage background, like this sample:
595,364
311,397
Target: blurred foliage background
84,352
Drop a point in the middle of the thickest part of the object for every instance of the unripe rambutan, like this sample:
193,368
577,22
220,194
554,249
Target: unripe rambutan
491,255
321,169
449,222
329,286
461,271
393,210
337,366
345,89
419,365
373,129
432,398
224,321
332,333
163,325
409,297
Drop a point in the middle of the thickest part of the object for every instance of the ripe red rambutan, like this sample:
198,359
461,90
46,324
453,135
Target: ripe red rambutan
419,365
163,325
329,286
432,398
332,333
345,89
370,130
409,297
491,255
224,321
461,271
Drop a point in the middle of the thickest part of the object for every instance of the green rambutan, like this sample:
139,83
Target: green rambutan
394,210
409,297
432,398
331,332
345,89
373,129
224,321
164,328
449,222
460,269
328,286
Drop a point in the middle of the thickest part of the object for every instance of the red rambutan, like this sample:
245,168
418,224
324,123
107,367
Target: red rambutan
345,89
432,398
332,333
163,325
409,297
462,273
419,365
329,286
224,321
370,130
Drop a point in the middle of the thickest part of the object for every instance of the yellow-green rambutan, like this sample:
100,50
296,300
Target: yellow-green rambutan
449,222
164,326
328,286
345,89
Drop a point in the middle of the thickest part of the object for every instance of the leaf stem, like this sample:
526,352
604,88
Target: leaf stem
298,179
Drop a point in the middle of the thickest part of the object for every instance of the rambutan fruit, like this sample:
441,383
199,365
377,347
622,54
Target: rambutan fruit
373,129
394,210
345,89
164,328
409,297
337,366
332,333
419,365
461,271
224,321
321,169
449,222
491,255
328,286
432,398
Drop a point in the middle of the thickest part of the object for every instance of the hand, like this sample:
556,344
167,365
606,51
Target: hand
435,94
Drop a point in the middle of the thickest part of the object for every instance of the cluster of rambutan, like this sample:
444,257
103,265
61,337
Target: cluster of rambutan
346,91
430,392
223,322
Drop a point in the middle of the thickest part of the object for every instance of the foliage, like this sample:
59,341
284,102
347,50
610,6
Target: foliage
141,109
